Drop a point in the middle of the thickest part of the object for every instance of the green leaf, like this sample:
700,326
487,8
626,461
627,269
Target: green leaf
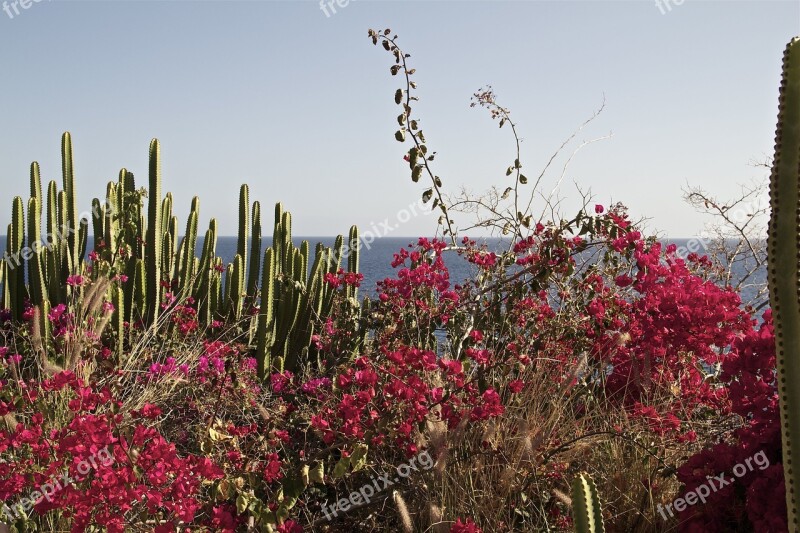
398,96
358,459
317,474
400,135
522,179
341,468
509,170
416,173
427,195
241,503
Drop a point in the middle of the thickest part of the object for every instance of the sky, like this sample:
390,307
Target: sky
300,105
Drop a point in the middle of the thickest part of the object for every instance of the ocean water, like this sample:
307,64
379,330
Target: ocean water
376,257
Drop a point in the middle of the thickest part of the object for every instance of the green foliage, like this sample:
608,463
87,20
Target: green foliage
784,280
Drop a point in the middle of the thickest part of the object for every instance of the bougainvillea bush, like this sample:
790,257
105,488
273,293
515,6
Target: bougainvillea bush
584,346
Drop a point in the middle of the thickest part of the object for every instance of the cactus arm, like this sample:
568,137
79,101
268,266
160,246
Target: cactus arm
36,185
244,225
83,238
154,233
587,513
70,205
139,289
784,285
255,253
266,314
38,289
119,319
352,259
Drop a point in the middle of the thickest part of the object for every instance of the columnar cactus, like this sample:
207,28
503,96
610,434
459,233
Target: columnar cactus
16,270
784,268
255,252
70,206
186,264
154,234
587,513
266,318
244,225
38,288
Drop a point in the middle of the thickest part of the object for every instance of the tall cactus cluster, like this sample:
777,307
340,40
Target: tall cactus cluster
142,246
34,270
294,297
784,271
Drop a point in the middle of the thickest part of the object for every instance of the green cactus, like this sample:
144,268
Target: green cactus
166,212
83,239
154,234
587,513
36,186
119,318
139,288
16,274
52,212
70,217
187,266
45,327
236,288
255,252
38,287
98,219
784,283
216,297
266,317
5,298
244,225
354,245
202,286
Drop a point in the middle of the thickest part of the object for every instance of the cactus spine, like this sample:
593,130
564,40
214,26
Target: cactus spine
587,513
784,261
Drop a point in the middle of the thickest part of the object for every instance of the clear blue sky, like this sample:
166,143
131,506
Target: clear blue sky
300,105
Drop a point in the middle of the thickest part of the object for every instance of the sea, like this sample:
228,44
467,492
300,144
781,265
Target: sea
376,257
